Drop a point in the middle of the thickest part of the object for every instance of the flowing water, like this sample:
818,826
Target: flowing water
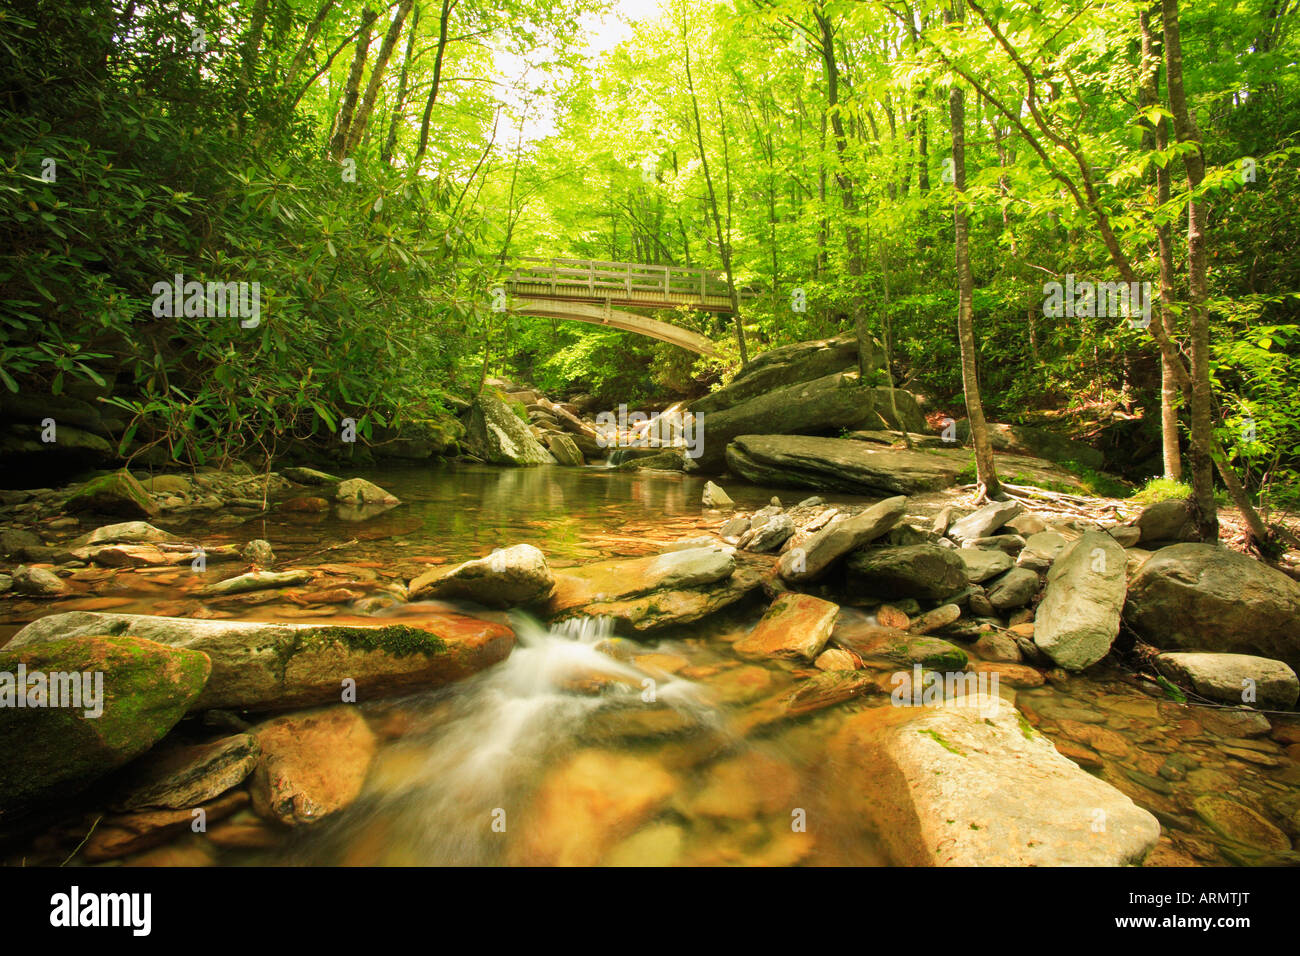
587,747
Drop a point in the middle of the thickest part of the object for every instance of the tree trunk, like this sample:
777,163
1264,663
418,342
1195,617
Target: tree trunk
1159,138
399,104
713,197
986,472
444,18
377,76
343,121
1198,320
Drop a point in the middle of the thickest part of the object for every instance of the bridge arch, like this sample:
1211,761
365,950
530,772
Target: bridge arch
587,290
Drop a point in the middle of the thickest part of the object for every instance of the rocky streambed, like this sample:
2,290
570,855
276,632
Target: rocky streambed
586,666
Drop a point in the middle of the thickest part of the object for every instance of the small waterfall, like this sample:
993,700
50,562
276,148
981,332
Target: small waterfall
486,756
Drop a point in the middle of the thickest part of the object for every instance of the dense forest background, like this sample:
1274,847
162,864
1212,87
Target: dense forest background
377,169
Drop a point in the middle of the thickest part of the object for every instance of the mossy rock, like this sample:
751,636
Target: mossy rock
144,690
117,493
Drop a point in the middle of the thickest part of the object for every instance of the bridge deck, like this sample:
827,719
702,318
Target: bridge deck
620,283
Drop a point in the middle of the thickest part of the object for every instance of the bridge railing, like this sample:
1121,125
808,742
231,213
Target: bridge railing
633,280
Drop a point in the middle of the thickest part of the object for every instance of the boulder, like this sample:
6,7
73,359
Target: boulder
970,783
1014,589
509,577
824,404
655,591
1166,522
909,411
118,493
838,464
984,521
565,451
125,532
1078,619
92,703
772,534
1036,442
1205,597
498,436
309,476
981,565
781,367
358,491
715,497
811,559
795,626
920,571
900,647
259,666
38,582
1040,550
312,764
1234,678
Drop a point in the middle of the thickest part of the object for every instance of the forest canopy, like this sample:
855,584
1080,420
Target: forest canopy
378,168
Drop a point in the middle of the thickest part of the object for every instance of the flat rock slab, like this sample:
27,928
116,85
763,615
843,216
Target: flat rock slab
1234,678
969,783
918,570
186,776
259,666
838,464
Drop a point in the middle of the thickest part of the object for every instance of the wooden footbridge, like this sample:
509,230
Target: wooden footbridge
585,290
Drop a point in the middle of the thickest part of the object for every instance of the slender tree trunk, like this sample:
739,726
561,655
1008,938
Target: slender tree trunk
343,121
444,19
1198,320
399,104
308,41
1158,137
985,470
394,33
723,248
844,178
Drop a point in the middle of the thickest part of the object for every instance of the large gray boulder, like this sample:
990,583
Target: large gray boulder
909,411
781,367
1078,619
838,464
499,436
810,560
825,404
1205,597
260,666
969,783
920,571
1233,678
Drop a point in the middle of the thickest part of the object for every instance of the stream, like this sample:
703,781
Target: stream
552,756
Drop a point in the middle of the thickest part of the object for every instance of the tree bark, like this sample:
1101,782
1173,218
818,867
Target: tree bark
1198,319
985,470
399,104
1159,138
343,121
444,18
394,33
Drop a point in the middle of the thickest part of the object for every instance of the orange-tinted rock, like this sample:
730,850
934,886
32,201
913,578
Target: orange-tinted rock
795,626
313,764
